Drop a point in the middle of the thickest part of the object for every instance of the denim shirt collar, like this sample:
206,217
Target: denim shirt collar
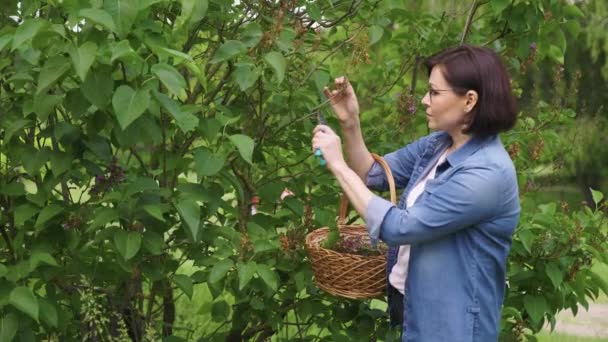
443,140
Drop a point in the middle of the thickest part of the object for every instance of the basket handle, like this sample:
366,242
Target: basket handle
391,185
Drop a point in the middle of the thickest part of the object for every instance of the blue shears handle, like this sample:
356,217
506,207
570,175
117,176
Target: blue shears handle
319,155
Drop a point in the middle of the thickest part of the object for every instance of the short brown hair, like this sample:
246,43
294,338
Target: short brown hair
480,69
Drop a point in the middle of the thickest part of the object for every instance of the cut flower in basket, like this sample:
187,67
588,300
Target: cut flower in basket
352,244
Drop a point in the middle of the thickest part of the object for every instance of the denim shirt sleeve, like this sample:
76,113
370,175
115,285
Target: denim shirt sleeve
468,197
401,163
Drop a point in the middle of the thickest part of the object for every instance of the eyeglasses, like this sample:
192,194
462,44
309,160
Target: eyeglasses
434,92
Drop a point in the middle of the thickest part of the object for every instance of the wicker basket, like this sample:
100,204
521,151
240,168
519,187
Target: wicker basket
349,275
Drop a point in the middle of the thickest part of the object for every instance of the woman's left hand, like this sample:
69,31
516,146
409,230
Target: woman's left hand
325,139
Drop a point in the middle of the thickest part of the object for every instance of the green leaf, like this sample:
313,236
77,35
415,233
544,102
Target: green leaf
141,184
207,164
191,214
5,40
268,276
46,214
574,27
34,159
26,31
278,64
8,327
48,313
245,76
498,6
143,4
286,40
45,104
153,242
186,121
252,35
98,88
556,54
555,274
375,33
170,78
192,12
244,144
129,104
199,10
13,189
123,13
246,272
228,50
3,270
25,212
82,58
155,211
127,243
599,281
14,127
536,307
573,11
597,196
100,17
25,301
123,50
103,216
219,270
260,246
60,162
548,208
178,56
220,311
39,257
313,11
184,282
52,70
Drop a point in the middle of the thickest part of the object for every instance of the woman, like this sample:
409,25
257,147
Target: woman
451,231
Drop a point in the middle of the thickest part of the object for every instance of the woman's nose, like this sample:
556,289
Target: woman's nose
426,100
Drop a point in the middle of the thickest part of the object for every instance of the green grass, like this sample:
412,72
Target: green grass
556,337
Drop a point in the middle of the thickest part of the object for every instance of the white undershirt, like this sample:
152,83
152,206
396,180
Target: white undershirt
399,271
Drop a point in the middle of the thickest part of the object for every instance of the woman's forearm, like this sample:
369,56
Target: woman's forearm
356,191
357,154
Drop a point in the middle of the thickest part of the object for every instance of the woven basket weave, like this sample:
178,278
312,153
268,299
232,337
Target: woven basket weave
343,274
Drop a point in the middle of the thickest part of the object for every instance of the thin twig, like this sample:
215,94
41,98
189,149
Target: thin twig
467,25
333,51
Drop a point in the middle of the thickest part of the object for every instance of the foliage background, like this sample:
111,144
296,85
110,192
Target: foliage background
135,134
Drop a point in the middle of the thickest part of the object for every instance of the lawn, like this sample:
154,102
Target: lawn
555,337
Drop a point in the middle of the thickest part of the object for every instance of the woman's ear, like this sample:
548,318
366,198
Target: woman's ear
471,100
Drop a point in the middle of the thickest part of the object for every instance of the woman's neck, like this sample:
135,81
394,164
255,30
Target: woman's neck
458,140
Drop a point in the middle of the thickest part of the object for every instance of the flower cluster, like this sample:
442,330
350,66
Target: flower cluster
531,57
114,175
406,103
358,245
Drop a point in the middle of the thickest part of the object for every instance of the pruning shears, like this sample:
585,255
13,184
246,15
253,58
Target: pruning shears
318,154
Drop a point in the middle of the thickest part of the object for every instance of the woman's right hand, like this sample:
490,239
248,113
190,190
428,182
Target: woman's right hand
344,102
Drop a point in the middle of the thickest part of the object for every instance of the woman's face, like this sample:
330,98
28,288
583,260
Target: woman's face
445,110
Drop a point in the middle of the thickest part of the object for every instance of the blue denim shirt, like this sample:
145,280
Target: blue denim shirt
459,230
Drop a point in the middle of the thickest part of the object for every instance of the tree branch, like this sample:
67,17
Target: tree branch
467,25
